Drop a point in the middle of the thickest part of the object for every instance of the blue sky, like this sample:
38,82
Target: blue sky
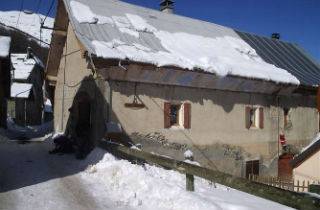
297,21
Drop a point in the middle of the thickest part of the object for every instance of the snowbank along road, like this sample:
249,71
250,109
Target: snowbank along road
30,178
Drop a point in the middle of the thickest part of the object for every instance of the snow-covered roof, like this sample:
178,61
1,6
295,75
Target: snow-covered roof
4,46
22,66
20,90
28,23
117,30
307,151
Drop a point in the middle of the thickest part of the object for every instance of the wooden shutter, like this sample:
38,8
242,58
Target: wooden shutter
166,114
261,118
187,115
247,116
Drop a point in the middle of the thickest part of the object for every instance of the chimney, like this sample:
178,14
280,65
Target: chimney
167,6
275,36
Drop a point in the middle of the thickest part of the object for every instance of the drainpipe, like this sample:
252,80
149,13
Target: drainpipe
110,102
63,86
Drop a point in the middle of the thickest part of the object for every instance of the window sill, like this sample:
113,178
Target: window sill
176,127
254,128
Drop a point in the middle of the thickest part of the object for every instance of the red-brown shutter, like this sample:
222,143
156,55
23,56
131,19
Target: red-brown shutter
166,114
261,118
187,115
247,116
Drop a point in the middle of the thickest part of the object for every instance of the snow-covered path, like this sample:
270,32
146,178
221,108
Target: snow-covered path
31,179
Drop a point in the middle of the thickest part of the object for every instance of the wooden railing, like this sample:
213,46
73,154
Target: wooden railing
285,197
287,184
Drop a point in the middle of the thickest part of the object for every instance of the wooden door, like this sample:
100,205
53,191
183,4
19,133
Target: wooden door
252,167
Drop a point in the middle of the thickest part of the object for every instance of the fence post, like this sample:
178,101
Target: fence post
298,185
188,155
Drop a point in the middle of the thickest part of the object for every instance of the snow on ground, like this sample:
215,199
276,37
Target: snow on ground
221,55
150,187
4,46
56,182
314,140
15,131
20,90
28,23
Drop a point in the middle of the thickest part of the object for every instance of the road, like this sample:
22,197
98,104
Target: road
31,179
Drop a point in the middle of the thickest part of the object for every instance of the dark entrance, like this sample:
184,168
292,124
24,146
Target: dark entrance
252,167
83,125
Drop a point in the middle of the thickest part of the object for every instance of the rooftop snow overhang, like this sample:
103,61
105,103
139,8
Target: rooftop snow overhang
22,66
143,36
20,90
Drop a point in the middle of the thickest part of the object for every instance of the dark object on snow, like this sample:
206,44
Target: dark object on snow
62,145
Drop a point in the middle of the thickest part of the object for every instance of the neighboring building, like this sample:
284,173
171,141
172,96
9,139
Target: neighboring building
306,165
4,78
27,75
172,82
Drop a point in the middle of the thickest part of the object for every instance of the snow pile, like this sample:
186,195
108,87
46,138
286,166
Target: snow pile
223,55
22,66
84,14
15,131
188,154
314,140
139,24
28,23
149,187
20,90
4,46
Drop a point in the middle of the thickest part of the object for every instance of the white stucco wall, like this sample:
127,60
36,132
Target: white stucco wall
308,171
216,116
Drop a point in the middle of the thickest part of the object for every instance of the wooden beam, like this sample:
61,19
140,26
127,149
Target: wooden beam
59,33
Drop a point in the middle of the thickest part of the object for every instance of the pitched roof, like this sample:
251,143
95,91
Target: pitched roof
116,30
285,55
22,66
307,152
20,90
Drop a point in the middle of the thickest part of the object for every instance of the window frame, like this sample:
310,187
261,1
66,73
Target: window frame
178,116
257,115
183,117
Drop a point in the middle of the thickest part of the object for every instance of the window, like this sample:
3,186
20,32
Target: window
177,115
174,115
254,117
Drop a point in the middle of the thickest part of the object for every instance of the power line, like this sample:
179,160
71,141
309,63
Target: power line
48,12
21,7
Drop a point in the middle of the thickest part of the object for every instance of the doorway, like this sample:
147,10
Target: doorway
252,167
